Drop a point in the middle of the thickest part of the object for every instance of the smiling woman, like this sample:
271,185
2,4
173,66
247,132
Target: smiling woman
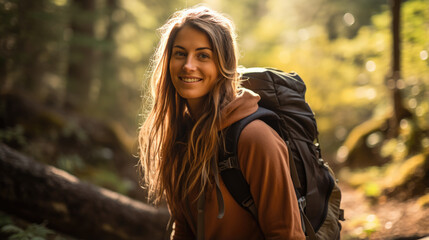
192,67
195,88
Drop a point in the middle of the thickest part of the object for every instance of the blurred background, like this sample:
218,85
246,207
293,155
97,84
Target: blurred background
73,76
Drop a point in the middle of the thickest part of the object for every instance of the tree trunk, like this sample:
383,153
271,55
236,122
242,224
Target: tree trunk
399,110
36,192
82,57
109,94
30,40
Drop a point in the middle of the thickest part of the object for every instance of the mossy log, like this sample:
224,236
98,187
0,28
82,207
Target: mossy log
37,193
359,154
408,178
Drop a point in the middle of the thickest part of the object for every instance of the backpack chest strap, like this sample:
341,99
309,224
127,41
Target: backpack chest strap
237,185
228,163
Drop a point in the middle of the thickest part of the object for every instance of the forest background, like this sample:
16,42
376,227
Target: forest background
73,80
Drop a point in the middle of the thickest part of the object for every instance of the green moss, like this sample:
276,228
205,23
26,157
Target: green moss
399,173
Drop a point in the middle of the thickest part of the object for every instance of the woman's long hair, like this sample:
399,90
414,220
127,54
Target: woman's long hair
176,150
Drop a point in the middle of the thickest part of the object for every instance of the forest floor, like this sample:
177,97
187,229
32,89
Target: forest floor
382,218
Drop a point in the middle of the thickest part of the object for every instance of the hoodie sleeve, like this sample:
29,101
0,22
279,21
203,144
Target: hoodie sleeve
264,161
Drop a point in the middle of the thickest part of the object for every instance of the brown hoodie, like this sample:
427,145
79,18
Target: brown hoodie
264,161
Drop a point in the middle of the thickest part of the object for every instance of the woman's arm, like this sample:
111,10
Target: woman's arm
264,161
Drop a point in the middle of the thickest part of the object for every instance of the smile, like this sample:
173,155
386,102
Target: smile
190,80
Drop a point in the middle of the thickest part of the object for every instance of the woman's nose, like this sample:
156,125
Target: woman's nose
189,64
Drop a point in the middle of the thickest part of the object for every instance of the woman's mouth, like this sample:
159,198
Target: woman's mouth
190,79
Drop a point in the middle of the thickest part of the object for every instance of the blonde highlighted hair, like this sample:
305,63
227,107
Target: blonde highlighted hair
175,150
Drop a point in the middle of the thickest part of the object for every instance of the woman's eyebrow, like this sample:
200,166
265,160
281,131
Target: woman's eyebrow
198,49
204,48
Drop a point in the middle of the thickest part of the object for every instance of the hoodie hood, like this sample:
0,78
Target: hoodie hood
242,106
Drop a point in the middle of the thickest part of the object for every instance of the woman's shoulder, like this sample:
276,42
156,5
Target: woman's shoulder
258,133
261,150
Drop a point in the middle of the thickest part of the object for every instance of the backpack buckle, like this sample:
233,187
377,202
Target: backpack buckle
228,163
248,202
302,202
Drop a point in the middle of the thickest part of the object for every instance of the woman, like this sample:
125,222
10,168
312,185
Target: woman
195,88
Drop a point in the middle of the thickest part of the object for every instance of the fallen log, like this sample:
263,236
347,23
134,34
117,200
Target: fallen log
37,193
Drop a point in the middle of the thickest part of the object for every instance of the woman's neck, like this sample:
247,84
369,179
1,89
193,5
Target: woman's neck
195,107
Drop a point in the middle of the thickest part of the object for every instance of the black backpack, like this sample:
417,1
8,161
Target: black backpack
283,107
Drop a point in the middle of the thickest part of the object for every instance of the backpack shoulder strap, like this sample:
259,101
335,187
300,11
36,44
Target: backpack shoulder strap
228,163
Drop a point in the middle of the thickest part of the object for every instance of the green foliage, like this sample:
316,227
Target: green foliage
376,181
415,32
71,163
12,228
372,189
344,63
408,151
13,135
73,130
31,232
5,219
110,180
364,226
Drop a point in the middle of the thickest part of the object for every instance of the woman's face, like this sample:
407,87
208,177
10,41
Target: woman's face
193,69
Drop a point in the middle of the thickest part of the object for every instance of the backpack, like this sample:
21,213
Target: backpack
283,107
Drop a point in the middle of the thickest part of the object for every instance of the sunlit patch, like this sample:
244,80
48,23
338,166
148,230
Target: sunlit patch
373,139
60,2
424,55
341,133
380,45
303,34
342,154
370,66
364,226
362,79
126,201
423,202
60,207
412,103
400,84
401,147
425,142
63,174
404,124
420,111
372,189
366,92
349,19
370,93
415,90
388,225
284,56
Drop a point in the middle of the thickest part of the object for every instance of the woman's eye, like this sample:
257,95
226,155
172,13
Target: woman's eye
204,56
179,54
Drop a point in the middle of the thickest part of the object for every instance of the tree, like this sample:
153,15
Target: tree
399,111
82,54
109,60
30,34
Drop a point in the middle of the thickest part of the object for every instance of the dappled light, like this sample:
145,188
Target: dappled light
74,91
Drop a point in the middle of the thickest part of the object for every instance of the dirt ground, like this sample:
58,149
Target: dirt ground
383,219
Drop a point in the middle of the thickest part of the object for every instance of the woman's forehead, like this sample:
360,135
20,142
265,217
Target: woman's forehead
190,37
